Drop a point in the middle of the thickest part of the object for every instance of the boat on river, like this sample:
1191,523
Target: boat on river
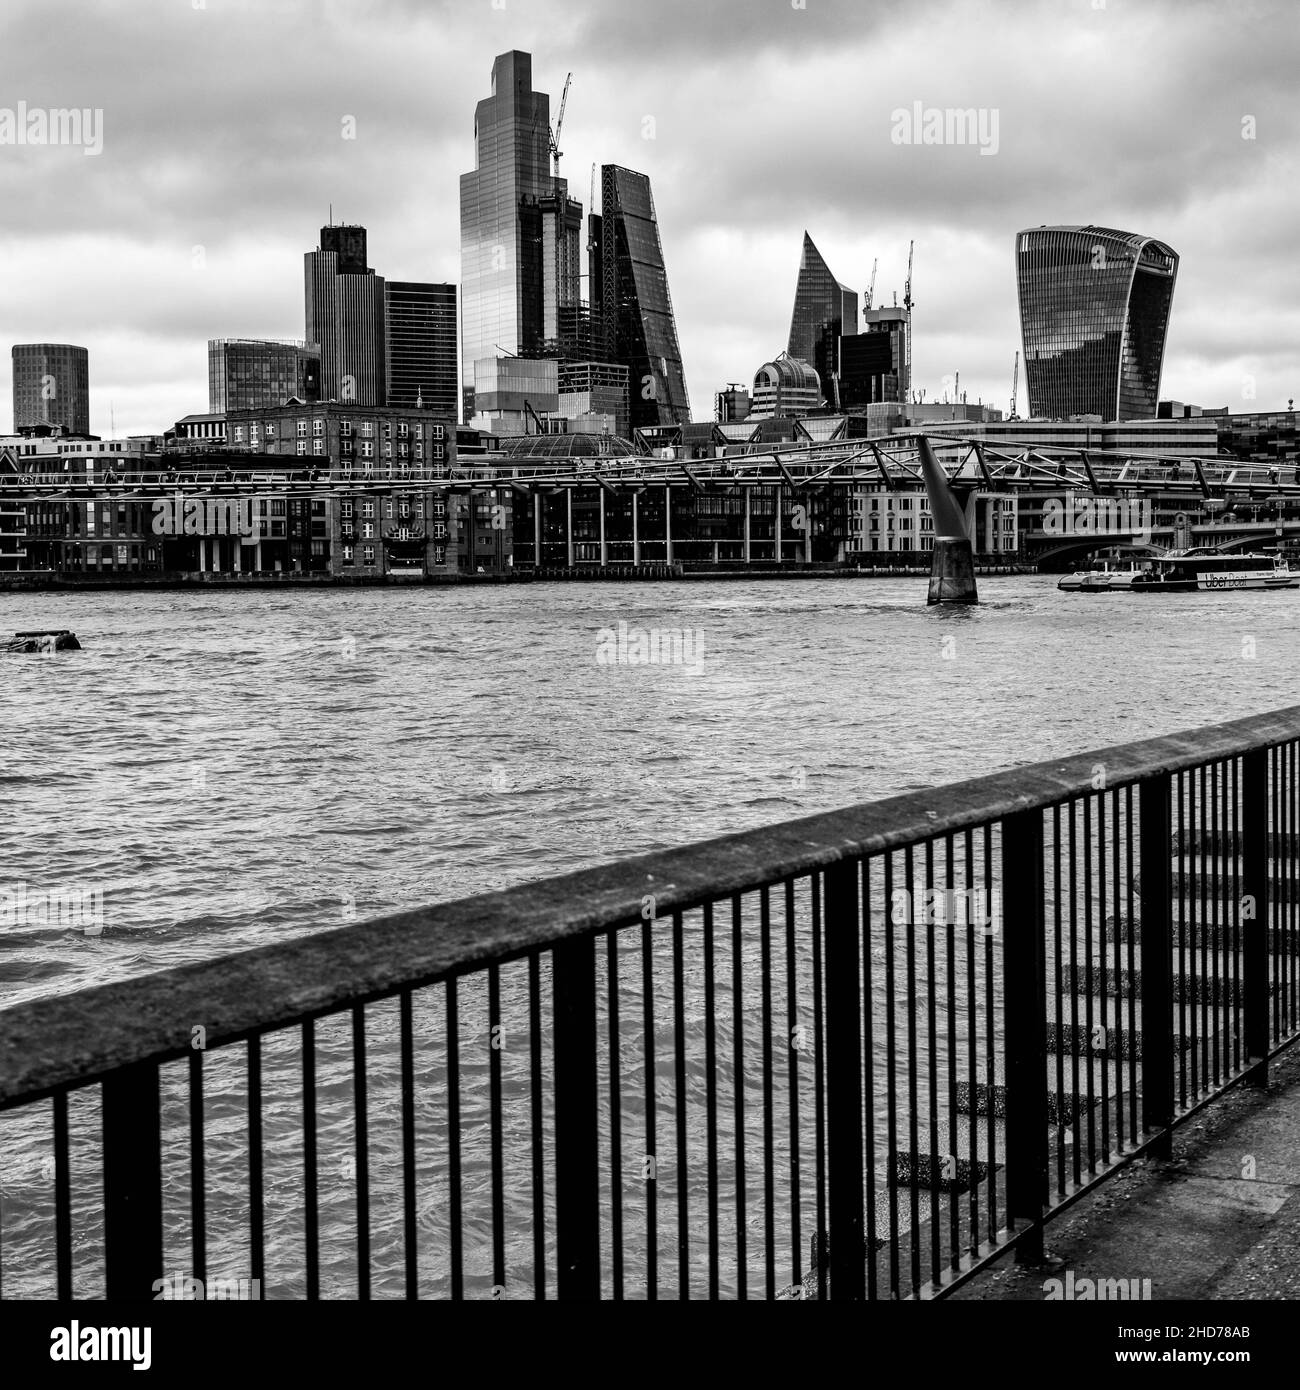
1182,571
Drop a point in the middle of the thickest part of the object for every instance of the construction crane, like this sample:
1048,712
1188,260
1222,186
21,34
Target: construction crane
1015,381
871,288
555,134
907,304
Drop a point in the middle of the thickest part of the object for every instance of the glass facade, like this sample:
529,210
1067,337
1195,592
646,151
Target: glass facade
824,310
254,373
51,386
501,223
420,346
345,316
1094,312
636,310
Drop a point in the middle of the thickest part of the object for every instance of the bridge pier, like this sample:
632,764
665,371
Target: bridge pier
952,563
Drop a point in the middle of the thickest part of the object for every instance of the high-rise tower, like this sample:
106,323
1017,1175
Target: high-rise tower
51,386
503,265
1094,312
634,307
345,317
824,310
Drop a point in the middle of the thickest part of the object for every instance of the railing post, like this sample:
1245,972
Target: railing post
1024,969
577,1175
844,1134
133,1212
1256,911
1156,920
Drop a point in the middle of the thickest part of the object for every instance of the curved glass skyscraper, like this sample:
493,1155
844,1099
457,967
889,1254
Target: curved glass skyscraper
1094,311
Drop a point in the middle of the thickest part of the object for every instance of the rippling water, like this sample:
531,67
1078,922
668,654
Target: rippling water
233,768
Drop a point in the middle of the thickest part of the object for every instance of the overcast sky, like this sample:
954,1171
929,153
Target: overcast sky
223,151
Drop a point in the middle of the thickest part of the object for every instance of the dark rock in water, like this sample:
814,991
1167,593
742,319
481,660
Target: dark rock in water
46,640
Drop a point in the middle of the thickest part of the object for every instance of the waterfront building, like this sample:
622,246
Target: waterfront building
421,366
502,226
252,373
345,316
1094,313
634,305
51,386
785,386
824,311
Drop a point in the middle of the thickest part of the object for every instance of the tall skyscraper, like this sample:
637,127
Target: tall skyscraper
257,373
51,386
421,359
824,310
634,307
1094,312
503,261
345,316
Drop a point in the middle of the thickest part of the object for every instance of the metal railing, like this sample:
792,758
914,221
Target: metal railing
854,1055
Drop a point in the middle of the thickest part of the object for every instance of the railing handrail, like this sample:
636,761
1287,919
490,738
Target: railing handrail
72,1039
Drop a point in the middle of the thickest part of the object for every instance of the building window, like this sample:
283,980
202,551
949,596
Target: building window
270,429
345,428
401,430
302,429
239,434
302,446
388,448
368,555
367,429
367,530
419,451
367,509
318,446
367,449
345,509
347,554
318,426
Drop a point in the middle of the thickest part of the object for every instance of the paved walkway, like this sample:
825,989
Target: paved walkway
1220,1220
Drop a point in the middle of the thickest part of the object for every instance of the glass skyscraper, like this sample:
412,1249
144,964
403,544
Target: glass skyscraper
345,317
420,323
51,386
502,240
1094,312
634,307
824,310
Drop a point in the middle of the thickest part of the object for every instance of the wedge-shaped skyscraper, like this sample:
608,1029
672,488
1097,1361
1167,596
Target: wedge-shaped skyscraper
634,307
823,310
1094,312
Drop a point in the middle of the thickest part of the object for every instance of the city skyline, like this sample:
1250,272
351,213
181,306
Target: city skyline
189,228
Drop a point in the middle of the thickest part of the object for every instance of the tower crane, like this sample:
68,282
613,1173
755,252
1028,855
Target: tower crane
907,304
871,288
555,134
1015,381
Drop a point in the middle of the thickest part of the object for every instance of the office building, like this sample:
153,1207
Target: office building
253,373
345,317
502,228
785,386
824,311
51,387
1094,312
634,306
594,388
421,366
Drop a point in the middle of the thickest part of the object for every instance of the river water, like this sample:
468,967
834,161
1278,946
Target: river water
227,769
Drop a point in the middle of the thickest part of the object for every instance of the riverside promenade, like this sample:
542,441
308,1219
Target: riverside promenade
1218,1221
